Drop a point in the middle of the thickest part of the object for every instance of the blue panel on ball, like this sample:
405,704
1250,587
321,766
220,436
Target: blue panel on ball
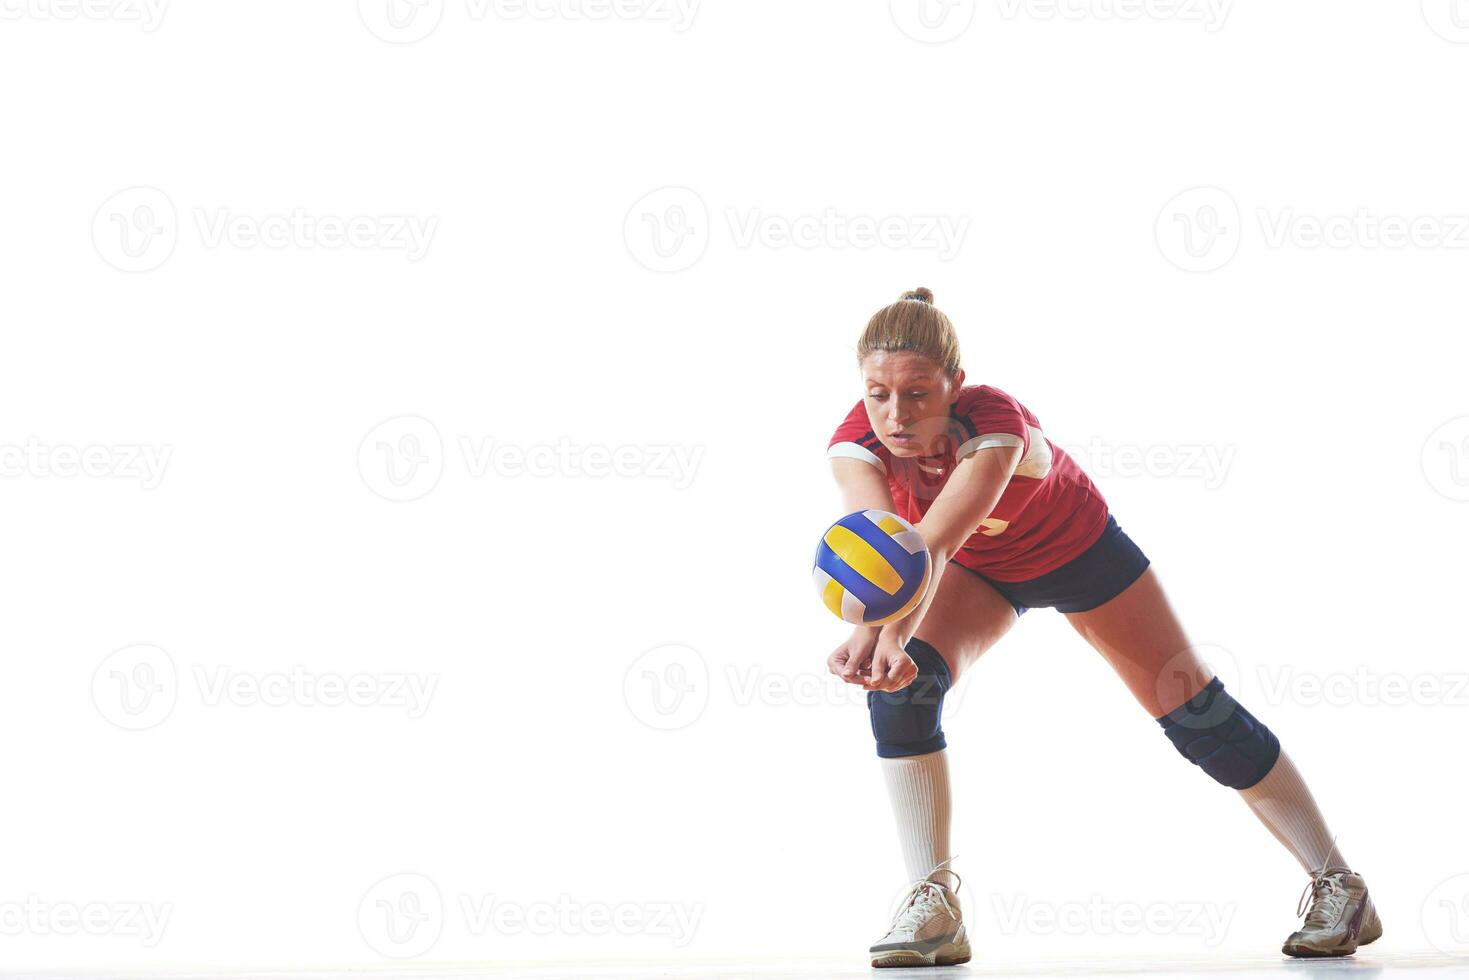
865,592
895,553
877,603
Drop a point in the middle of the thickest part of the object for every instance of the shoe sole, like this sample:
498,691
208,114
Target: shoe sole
1311,952
949,955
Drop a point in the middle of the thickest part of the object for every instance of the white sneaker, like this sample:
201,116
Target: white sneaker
1340,917
927,929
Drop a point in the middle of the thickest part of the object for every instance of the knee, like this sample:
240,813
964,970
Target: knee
907,722
1215,732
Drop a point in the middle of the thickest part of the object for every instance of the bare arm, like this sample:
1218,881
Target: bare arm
968,497
863,487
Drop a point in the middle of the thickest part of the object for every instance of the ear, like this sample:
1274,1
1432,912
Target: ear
958,382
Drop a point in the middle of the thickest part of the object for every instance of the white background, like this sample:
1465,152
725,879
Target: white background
588,284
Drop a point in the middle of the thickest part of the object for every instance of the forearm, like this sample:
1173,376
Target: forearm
966,501
902,630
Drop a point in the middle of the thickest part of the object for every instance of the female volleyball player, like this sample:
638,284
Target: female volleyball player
969,466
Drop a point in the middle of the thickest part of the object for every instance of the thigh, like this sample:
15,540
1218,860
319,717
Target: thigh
966,617
1140,636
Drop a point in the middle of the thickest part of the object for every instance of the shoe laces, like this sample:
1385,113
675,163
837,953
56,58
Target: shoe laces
1325,894
925,893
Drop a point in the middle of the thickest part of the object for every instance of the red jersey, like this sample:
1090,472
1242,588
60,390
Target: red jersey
1049,513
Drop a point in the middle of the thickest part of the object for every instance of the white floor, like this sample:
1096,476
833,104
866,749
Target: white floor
1419,966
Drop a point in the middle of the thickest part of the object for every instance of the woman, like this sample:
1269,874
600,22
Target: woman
995,499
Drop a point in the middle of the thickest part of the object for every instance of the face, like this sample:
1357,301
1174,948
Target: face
908,397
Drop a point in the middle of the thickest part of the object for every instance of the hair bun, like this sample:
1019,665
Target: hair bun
923,294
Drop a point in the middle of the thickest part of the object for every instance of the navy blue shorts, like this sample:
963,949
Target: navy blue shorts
1101,572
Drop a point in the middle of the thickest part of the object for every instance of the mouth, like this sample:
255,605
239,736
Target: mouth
901,436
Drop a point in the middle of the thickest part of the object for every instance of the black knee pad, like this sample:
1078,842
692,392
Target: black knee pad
1214,732
907,722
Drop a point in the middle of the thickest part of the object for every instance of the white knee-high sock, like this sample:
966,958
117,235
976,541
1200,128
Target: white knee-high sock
1285,806
918,788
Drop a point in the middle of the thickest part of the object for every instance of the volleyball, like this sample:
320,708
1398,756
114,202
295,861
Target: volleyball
871,568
